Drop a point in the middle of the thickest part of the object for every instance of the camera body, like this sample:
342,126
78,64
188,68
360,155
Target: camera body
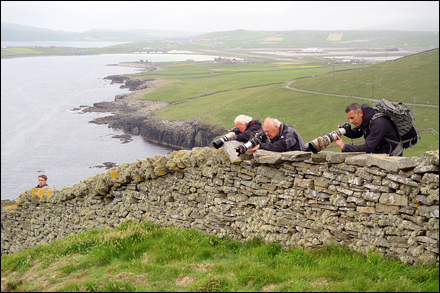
256,140
322,142
346,126
230,136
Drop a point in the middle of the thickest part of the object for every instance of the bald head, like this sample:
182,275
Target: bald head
271,127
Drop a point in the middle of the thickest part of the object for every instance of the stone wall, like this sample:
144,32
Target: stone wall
389,205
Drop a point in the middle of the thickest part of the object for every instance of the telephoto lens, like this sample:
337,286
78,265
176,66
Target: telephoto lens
320,143
230,136
259,138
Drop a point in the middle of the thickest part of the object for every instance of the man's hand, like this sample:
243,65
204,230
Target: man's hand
340,142
254,148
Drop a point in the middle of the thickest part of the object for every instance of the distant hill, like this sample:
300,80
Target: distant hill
368,39
239,39
17,32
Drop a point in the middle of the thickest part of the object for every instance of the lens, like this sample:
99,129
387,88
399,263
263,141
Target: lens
248,145
230,136
217,143
311,147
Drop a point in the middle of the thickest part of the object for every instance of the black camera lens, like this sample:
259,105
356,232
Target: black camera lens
217,143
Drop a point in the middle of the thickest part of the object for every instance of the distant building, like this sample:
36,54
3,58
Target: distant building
312,50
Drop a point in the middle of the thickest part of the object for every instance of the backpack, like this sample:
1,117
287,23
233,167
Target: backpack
402,117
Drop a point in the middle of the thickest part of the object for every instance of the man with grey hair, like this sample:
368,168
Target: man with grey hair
245,127
283,137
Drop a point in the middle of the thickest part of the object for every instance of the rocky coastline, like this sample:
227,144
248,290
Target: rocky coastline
135,116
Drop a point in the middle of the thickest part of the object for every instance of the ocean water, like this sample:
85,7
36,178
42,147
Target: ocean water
42,133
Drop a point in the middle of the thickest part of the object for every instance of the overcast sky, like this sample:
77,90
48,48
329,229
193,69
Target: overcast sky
210,16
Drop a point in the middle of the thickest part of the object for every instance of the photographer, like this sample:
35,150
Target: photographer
245,126
283,137
376,132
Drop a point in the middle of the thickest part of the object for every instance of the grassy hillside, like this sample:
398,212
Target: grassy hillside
323,39
145,258
217,93
415,77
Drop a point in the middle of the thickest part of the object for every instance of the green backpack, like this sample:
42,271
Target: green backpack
402,117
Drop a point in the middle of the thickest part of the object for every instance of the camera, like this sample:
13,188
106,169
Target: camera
320,143
257,139
230,136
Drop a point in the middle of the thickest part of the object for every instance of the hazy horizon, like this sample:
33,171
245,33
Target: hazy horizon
212,16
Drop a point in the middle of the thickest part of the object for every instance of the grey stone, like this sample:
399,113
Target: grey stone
389,163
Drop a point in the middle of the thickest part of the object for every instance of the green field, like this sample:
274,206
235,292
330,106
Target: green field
217,93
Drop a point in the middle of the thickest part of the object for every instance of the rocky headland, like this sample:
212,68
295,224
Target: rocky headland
134,115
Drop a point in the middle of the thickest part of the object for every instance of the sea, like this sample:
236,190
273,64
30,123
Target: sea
42,130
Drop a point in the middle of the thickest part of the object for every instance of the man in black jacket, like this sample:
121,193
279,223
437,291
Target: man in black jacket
245,126
377,132
283,137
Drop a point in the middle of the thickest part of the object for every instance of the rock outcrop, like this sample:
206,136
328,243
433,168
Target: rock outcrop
135,116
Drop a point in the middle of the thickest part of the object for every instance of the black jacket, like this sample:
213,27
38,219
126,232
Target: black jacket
253,127
287,140
374,134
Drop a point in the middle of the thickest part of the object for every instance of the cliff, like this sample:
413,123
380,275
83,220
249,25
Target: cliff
371,203
136,116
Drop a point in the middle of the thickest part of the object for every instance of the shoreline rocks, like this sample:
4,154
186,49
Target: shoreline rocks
135,116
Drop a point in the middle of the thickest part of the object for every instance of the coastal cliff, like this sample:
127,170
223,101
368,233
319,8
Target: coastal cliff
135,116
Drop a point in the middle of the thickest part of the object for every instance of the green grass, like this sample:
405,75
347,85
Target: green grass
409,79
51,51
143,257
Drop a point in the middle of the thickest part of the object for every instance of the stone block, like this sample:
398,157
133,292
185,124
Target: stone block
358,159
319,157
431,157
295,156
368,210
393,199
429,212
392,164
322,181
304,183
430,178
362,172
258,200
386,209
401,179
229,150
267,157
338,200
376,188
335,157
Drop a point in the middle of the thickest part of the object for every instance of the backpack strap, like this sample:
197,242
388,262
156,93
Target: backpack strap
399,148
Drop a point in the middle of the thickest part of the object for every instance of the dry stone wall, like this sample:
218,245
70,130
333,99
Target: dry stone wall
371,203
